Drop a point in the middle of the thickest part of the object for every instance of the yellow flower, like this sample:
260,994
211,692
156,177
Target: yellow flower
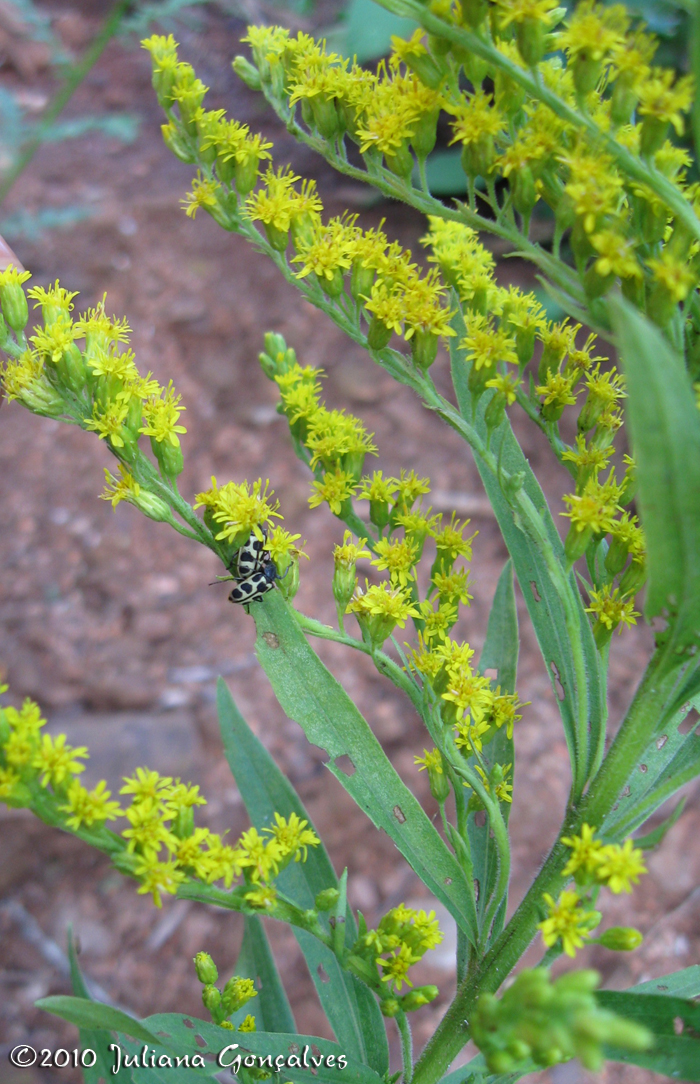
56,760
398,557
335,489
431,761
293,836
146,784
586,852
88,807
384,600
621,866
567,922
161,414
158,877
610,609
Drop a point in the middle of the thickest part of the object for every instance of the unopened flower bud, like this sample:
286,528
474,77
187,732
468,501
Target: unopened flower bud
424,137
14,303
169,456
175,142
71,368
616,557
424,346
576,543
422,995
621,939
211,998
634,578
401,162
247,72
327,899
390,1006
378,335
205,968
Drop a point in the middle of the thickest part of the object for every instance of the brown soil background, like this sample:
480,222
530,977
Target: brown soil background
107,621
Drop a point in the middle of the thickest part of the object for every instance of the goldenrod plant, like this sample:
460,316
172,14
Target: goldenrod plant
566,111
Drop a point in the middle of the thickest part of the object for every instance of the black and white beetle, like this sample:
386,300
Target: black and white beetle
256,572
252,556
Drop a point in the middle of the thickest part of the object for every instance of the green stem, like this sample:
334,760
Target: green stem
406,1046
75,77
384,664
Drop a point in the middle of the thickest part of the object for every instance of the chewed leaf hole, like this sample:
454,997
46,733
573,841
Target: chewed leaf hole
535,593
200,1040
690,722
561,692
399,814
345,764
678,1025
491,672
480,818
188,1023
323,974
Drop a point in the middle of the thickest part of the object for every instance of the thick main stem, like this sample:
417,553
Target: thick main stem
649,705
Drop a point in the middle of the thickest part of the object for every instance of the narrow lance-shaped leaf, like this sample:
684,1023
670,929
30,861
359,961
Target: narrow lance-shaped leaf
664,427
309,694
90,1038
544,605
351,1008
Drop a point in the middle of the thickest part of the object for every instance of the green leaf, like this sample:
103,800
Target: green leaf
93,1014
92,1039
500,653
674,1023
476,1072
684,983
664,426
671,760
541,598
368,30
651,840
271,1007
198,1036
351,1008
309,694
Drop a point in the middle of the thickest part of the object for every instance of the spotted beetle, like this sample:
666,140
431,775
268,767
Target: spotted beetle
252,556
253,587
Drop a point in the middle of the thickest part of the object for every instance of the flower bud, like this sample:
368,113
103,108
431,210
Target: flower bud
325,117
378,335
621,939
439,788
14,304
524,192
247,72
531,38
422,995
361,280
4,333
634,579
390,1006
424,137
205,968
576,543
211,998
424,346
327,899
279,239
288,575
401,162
71,368
495,411
616,557
169,456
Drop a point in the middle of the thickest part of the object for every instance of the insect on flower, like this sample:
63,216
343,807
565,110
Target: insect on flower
256,572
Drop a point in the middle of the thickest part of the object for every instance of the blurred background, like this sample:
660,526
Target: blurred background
107,619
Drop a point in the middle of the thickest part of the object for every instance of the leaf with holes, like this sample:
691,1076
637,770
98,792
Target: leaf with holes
684,983
665,435
351,1008
674,1023
500,653
311,1053
671,760
309,694
541,597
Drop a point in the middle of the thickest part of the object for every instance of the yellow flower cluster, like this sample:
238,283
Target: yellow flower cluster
401,939
160,847
97,384
592,863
